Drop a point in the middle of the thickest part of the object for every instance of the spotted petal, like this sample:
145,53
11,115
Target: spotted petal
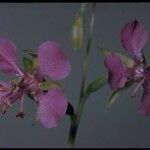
134,36
8,57
117,73
52,107
52,61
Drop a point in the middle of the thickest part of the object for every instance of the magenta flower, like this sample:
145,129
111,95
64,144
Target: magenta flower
133,38
52,63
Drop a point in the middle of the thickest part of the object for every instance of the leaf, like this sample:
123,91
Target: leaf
36,119
126,60
28,65
77,32
70,109
118,92
46,85
97,84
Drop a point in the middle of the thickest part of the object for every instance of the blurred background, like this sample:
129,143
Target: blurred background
120,126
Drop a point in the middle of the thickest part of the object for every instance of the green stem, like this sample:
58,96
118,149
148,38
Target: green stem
86,60
75,123
75,120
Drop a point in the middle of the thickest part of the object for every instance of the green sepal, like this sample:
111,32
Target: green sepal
28,65
49,84
97,84
34,60
115,94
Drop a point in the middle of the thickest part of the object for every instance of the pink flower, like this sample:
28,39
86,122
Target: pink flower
134,36
52,63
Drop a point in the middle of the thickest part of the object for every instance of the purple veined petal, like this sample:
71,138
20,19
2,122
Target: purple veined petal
52,61
8,57
117,72
134,36
52,107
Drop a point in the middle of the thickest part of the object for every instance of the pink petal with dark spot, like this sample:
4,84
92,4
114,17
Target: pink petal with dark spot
52,107
117,73
134,36
8,57
52,61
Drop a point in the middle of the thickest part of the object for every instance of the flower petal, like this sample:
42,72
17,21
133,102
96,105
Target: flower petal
144,108
134,36
52,107
117,73
8,57
52,61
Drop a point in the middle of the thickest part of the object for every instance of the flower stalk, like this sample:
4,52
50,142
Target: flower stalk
75,119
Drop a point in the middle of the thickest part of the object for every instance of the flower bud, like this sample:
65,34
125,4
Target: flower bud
134,36
78,29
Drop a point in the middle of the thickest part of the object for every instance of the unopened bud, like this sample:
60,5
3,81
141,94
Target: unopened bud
78,29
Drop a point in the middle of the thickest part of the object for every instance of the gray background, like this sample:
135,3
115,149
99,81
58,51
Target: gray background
28,25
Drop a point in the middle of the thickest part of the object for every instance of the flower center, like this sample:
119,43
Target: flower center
139,72
28,84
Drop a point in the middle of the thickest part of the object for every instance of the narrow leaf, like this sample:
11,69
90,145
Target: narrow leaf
97,84
113,97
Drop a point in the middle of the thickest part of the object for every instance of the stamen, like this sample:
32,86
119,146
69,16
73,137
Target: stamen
21,113
22,101
8,103
3,111
20,72
3,89
36,118
133,94
36,100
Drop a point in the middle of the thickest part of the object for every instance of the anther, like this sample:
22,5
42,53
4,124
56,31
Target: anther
20,114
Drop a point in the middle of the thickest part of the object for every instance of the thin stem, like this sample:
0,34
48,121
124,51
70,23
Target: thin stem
75,120
86,60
